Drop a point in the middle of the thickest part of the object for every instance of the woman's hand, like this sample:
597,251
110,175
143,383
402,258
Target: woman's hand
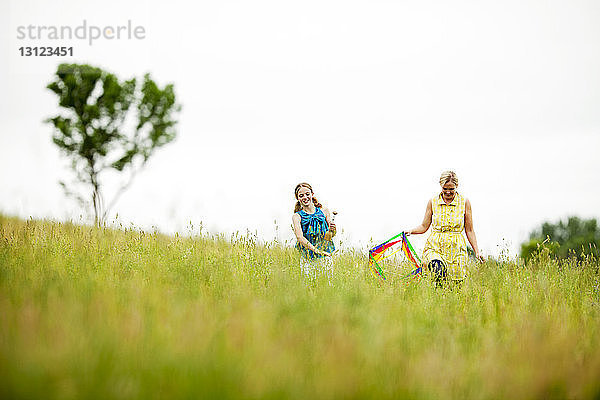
323,253
332,228
479,257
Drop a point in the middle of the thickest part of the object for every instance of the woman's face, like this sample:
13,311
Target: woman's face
448,191
304,196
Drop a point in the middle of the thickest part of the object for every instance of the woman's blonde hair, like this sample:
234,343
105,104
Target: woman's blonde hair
448,176
298,206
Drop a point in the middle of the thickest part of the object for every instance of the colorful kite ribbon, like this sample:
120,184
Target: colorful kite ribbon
377,254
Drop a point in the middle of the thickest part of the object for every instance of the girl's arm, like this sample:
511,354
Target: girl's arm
469,231
300,237
329,220
426,221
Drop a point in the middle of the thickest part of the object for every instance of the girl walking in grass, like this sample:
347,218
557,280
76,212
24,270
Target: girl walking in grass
311,223
449,214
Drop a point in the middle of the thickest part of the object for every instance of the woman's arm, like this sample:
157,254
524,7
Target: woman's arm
469,231
426,221
300,236
329,220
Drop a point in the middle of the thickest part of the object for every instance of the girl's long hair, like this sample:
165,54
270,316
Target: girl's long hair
298,206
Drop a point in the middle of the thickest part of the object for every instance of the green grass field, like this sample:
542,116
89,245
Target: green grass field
111,314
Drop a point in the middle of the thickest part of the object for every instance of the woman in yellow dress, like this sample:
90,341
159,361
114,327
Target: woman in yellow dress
448,214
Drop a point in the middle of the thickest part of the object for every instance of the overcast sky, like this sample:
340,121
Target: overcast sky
369,101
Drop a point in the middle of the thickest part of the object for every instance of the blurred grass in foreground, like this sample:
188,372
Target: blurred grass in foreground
109,314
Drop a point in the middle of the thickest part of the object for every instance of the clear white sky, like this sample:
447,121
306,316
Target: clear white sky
369,101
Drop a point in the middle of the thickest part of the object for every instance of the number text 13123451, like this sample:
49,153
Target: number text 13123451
45,51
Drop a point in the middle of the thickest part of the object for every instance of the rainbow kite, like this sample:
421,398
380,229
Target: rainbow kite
378,253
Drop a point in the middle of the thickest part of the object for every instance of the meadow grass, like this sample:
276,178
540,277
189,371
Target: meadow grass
120,314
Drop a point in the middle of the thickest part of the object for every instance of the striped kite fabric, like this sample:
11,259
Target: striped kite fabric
378,254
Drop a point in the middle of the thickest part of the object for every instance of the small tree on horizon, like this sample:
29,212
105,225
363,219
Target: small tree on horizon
105,124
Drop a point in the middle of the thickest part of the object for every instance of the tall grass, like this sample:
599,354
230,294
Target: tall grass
110,314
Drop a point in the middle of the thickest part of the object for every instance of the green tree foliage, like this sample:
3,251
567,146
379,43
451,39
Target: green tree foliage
575,237
106,124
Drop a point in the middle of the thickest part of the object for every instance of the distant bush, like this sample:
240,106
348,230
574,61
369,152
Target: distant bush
575,237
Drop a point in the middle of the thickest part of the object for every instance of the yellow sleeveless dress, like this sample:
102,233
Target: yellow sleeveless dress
446,241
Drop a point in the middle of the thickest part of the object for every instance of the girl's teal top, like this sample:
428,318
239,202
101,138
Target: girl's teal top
314,227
